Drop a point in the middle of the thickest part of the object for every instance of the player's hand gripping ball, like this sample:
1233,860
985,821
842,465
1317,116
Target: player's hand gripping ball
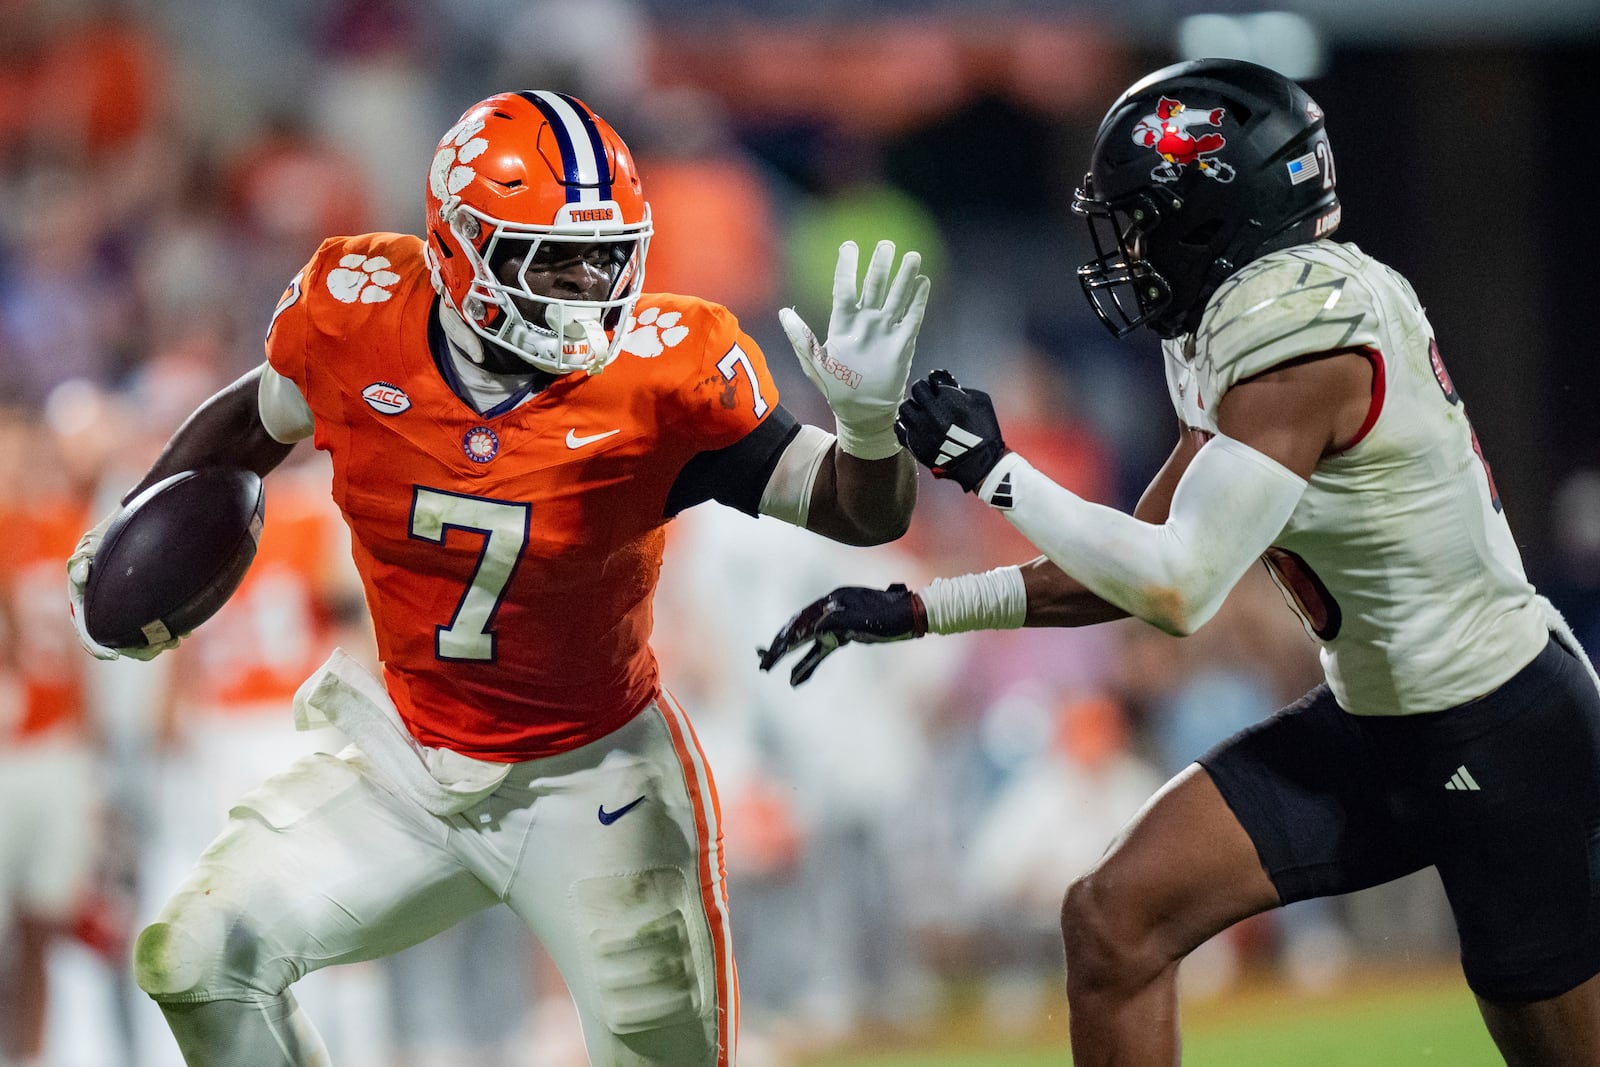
170,559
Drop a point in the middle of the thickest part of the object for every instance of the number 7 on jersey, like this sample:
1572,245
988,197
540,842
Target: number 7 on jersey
736,357
504,527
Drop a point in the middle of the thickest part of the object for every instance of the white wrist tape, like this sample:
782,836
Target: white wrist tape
992,600
1230,505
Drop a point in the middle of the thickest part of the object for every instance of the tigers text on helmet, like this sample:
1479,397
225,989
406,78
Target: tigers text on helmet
537,180
1198,169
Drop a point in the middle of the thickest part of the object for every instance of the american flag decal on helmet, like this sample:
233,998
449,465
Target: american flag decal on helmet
586,172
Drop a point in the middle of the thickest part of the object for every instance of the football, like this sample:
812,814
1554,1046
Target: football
173,556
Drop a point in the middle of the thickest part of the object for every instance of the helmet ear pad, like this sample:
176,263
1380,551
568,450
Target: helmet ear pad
1194,251
453,271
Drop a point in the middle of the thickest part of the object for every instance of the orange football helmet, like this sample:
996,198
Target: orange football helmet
524,171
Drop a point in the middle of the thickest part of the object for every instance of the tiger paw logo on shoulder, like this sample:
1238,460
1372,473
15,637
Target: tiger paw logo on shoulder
653,333
364,279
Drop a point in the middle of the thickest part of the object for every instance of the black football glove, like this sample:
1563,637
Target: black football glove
952,431
850,613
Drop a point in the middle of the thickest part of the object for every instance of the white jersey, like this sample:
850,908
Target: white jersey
1398,557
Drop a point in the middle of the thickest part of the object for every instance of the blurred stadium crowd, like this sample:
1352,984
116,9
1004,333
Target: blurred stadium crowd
901,826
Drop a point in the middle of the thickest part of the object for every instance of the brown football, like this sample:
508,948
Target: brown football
173,556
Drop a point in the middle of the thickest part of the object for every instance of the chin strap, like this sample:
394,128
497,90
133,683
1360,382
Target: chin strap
586,331
599,343
461,336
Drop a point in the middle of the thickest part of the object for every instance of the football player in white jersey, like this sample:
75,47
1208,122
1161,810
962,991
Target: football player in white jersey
1459,723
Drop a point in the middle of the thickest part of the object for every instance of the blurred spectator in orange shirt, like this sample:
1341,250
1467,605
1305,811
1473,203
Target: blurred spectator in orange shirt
289,186
77,82
51,835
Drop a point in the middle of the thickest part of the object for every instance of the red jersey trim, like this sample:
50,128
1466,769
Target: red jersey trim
1375,406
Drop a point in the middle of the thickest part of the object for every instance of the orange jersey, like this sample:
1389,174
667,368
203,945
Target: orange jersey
47,660
509,561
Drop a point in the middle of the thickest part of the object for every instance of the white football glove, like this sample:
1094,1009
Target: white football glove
78,565
872,335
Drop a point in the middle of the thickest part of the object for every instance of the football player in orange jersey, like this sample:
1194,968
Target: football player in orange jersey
50,778
512,421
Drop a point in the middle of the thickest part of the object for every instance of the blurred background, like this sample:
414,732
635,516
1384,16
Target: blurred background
901,829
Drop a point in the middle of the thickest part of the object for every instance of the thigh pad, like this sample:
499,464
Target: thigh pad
648,962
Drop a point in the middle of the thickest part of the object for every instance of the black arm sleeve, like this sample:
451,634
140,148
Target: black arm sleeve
736,475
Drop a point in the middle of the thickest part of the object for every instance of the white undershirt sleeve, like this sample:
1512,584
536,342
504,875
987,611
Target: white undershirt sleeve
284,412
1228,507
788,492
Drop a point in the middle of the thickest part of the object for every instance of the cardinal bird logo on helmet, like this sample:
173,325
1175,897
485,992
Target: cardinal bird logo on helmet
1166,129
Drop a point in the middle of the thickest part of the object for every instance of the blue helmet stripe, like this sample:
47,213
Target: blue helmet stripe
596,145
586,171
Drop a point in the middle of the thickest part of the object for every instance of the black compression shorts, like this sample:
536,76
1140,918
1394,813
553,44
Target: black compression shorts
1501,794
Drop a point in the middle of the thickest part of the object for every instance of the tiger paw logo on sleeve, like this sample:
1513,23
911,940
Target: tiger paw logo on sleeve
364,279
653,333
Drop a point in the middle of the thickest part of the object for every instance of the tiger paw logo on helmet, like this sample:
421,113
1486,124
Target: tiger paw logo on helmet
653,333
451,171
362,278
1166,129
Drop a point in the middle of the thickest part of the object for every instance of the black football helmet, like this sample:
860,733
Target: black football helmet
1198,169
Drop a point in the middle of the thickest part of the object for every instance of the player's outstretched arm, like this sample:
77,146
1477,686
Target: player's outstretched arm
866,486
1038,593
226,430
1170,562
863,501
1232,498
849,613
862,368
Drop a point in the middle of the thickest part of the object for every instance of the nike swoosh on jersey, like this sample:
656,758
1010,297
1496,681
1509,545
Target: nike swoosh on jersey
609,817
575,441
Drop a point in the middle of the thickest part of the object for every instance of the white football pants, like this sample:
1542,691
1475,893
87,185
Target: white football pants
610,853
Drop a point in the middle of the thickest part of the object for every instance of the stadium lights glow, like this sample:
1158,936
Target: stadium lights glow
1288,43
